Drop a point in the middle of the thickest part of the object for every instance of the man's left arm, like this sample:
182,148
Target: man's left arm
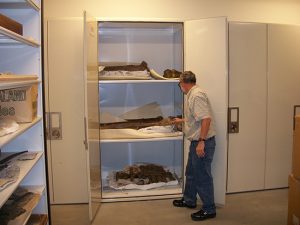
205,124
201,113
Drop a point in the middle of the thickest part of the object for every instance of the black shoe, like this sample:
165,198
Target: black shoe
202,215
181,203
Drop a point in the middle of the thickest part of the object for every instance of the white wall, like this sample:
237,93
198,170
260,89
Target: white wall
268,11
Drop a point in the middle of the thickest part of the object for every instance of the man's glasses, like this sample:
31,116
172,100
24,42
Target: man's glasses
179,85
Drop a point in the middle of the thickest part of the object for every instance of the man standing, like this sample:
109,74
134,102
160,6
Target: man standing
199,129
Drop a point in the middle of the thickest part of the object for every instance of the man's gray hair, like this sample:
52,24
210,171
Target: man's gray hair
188,77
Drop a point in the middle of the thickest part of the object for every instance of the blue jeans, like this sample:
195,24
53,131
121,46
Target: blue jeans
198,176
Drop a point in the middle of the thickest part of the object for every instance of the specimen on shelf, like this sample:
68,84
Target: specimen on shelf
171,74
7,126
149,115
6,157
145,174
20,202
168,74
147,111
10,24
136,72
136,124
125,72
9,169
27,156
8,175
141,67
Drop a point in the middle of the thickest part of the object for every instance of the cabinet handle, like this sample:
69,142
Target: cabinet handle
295,113
55,126
233,124
85,135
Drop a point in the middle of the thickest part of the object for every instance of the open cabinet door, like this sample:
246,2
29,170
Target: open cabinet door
64,84
92,112
206,55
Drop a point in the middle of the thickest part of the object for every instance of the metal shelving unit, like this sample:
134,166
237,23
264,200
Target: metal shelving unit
17,84
25,168
16,48
9,38
19,4
22,129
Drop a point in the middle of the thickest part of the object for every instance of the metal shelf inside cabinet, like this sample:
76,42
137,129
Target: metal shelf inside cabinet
23,127
17,84
137,81
25,168
23,218
19,4
177,138
131,195
10,38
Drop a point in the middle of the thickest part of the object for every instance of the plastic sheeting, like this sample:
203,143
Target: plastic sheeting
124,75
135,134
8,126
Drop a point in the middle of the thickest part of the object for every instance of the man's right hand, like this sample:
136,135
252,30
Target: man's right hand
177,120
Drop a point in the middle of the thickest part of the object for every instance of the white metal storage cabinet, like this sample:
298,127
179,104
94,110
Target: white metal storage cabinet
283,96
248,93
263,80
22,55
204,43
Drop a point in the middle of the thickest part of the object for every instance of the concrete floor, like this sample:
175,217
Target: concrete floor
256,208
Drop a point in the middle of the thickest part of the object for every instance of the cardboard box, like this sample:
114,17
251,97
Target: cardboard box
10,24
19,104
294,201
296,149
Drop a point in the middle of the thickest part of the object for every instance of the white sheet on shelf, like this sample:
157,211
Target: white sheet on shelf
157,129
113,184
134,134
124,75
